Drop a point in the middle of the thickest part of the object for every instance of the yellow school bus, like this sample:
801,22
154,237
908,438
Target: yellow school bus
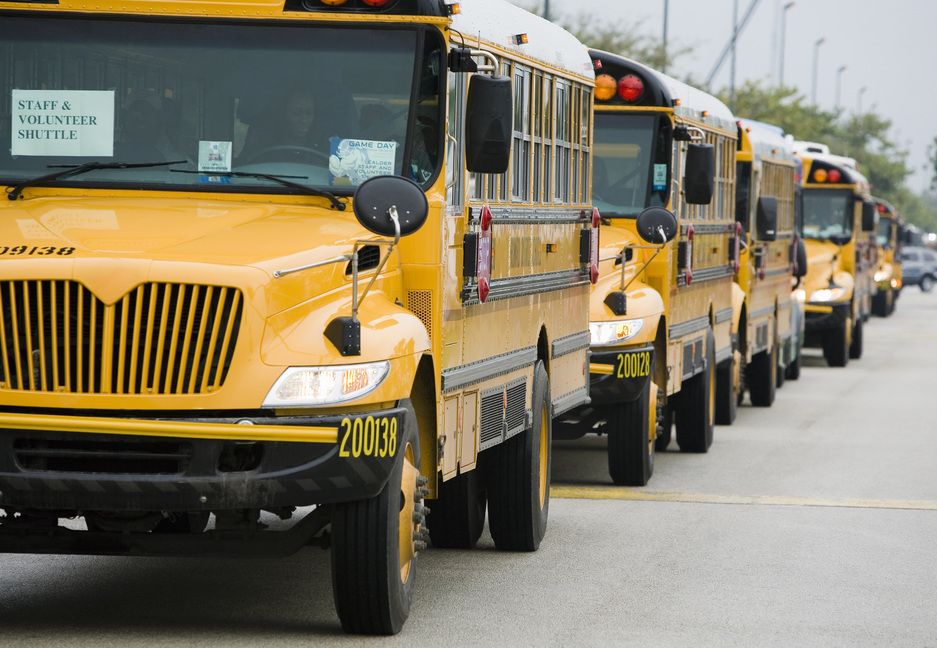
765,214
839,220
887,277
661,311
317,260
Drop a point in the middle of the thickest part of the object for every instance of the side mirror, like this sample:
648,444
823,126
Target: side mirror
800,256
869,217
375,197
766,218
654,220
699,177
489,125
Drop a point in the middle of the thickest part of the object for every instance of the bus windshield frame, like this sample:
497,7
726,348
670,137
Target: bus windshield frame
325,105
631,162
828,212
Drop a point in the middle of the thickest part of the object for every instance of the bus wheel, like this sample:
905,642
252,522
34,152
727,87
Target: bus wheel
762,377
728,386
855,349
836,345
880,303
458,512
697,405
375,544
792,371
519,491
630,439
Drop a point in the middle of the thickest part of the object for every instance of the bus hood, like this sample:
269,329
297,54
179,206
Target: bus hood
112,244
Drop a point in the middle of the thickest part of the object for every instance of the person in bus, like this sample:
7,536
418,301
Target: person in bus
287,130
144,125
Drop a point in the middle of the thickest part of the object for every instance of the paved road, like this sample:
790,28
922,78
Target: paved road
813,523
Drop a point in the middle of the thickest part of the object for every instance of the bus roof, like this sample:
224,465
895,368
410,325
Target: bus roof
498,23
666,92
765,140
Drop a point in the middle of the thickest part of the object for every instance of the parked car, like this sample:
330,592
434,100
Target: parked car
919,267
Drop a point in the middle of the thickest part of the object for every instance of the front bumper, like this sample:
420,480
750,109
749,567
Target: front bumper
619,376
73,463
827,317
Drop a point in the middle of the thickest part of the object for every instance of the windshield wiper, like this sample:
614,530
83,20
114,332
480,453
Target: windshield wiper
322,193
15,192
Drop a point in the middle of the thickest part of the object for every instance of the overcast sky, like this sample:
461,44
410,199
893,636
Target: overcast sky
889,47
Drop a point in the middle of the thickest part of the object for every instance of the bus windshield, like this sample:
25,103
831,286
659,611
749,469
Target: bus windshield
623,166
883,235
223,104
827,212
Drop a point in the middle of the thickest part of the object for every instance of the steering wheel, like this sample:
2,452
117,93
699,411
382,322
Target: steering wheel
622,181
285,151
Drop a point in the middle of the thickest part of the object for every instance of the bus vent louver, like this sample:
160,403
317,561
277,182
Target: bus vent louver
160,338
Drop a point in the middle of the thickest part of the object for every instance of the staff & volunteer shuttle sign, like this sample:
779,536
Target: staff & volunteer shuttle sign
63,122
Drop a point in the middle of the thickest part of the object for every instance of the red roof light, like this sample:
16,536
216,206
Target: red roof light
630,88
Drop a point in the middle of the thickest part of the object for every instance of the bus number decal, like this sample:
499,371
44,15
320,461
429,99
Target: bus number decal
368,437
35,250
634,365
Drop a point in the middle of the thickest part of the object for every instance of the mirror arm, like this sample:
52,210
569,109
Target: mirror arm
355,301
663,237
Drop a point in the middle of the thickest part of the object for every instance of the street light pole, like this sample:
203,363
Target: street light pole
816,60
546,9
839,76
781,55
859,100
663,63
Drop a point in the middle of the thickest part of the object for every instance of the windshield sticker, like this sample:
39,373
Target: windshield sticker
660,177
352,161
77,123
214,156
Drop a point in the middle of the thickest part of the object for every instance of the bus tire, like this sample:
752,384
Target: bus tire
880,303
792,371
727,391
457,515
762,377
697,404
855,349
519,486
373,573
630,444
836,346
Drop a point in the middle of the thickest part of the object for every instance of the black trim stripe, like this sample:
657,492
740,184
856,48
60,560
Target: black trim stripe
573,399
689,326
707,274
524,285
481,370
571,343
761,312
723,315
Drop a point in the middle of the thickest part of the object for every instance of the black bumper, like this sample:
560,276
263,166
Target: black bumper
77,471
622,375
815,324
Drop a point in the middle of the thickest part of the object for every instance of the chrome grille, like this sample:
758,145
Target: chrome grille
160,338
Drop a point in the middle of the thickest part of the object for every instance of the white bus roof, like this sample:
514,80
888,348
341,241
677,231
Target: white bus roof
767,140
498,22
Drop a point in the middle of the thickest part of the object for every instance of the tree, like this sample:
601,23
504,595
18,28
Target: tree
863,137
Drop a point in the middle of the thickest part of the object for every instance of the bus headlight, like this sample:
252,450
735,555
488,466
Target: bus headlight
800,295
824,295
604,333
880,276
309,386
